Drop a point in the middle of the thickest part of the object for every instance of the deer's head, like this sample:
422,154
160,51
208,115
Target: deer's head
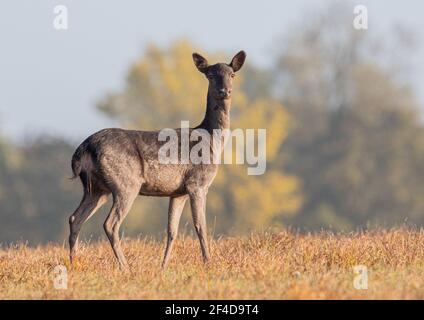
220,75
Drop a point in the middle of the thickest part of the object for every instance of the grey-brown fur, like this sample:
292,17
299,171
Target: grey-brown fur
124,164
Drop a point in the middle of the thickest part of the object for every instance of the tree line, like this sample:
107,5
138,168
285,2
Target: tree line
345,141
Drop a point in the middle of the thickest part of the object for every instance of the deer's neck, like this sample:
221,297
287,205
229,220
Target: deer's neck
217,114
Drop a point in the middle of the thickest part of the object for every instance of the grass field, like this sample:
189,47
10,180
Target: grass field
260,266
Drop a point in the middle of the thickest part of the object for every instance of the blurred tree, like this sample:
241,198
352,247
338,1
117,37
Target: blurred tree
345,150
36,196
163,87
357,138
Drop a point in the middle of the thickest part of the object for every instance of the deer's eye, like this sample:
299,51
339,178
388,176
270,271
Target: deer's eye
232,75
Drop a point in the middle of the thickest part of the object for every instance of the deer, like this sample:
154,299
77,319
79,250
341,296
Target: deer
124,164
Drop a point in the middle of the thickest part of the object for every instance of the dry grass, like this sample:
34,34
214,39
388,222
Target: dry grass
262,266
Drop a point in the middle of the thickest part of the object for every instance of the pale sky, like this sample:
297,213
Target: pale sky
51,80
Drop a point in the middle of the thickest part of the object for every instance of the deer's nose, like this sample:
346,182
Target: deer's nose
224,93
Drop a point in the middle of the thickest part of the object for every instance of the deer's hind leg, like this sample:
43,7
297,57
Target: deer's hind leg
90,203
122,203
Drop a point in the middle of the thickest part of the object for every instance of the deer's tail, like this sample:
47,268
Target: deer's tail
76,161
82,165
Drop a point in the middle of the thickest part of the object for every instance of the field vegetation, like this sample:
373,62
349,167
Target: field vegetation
284,265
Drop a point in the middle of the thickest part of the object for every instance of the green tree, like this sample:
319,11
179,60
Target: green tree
357,139
36,195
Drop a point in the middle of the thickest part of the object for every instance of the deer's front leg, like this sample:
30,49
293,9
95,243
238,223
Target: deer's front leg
198,210
176,206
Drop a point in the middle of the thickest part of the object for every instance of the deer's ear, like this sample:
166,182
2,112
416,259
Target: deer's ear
238,61
200,62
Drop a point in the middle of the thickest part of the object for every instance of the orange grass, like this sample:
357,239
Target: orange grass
281,265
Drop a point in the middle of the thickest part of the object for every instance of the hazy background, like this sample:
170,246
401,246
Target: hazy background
343,108
51,79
